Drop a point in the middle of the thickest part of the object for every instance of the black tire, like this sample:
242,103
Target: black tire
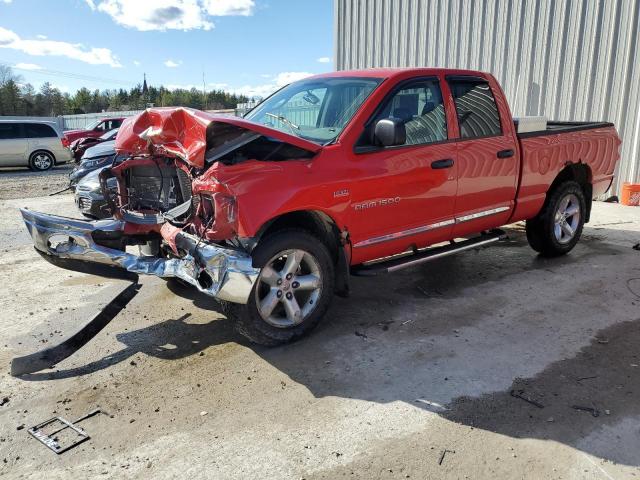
542,229
41,161
247,318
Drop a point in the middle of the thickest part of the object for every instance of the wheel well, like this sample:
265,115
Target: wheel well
580,173
314,222
45,151
325,229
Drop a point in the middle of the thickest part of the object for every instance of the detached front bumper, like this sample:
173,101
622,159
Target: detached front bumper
220,272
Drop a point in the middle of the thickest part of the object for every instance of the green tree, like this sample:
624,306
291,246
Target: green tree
10,100
48,101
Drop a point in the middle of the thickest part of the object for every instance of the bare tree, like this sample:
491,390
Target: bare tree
7,75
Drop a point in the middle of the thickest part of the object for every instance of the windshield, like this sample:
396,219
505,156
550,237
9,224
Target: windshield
315,110
92,125
110,135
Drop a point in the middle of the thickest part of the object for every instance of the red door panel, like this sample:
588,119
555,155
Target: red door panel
486,184
399,200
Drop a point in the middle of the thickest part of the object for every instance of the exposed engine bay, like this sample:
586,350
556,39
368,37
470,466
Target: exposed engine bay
165,186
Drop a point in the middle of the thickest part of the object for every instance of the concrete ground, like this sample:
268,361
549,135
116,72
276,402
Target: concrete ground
411,377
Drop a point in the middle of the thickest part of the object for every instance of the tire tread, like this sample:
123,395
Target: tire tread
540,228
245,317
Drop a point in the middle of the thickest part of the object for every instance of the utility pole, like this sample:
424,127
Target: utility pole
204,92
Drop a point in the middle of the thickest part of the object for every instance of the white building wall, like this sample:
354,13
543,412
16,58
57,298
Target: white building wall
565,59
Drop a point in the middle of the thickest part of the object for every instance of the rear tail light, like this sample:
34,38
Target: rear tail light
65,142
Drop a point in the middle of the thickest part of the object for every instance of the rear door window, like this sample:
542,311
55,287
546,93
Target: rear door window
10,131
39,130
476,108
111,124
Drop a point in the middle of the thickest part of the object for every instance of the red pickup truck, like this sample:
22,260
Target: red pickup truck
360,172
93,130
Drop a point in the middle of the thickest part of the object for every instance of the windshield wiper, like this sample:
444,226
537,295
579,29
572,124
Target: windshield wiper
284,120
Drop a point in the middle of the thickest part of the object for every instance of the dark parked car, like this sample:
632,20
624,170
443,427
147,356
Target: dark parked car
81,145
95,157
89,197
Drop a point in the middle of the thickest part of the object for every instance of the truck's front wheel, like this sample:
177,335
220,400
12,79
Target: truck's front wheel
557,228
292,293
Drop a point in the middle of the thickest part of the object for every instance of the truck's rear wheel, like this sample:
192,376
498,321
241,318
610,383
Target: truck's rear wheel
292,293
557,228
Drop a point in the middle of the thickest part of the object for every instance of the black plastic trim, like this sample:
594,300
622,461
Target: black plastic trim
466,78
570,127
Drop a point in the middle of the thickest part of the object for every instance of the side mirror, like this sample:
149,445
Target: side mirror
390,132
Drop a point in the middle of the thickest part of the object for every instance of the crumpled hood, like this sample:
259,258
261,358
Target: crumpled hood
182,133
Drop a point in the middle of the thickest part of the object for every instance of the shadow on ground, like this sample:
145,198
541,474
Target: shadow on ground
456,337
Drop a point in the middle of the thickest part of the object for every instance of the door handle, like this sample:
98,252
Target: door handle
444,163
505,153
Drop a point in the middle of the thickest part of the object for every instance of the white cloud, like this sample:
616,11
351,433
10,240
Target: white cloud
264,90
223,8
62,88
171,64
182,86
148,15
7,1
27,66
136,63
41,37
324,60
189,86
75,51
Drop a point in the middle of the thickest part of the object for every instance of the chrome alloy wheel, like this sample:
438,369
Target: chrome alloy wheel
567,219
42,161
288,288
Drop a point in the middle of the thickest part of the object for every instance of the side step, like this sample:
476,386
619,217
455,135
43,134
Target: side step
423,256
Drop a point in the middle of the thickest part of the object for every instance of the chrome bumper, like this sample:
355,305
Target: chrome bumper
220,272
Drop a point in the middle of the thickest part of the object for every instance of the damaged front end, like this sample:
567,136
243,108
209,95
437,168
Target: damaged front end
221,272
181,217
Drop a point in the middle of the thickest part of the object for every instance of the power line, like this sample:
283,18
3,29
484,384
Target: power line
75,76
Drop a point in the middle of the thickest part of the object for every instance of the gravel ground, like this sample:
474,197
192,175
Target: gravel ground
410,377
23,183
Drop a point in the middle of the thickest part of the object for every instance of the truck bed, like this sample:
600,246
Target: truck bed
546,152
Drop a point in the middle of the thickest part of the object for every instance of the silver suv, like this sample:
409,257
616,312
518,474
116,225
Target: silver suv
33,144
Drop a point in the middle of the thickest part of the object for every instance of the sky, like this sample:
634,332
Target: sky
242,46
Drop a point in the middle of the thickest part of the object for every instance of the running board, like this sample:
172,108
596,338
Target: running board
427,255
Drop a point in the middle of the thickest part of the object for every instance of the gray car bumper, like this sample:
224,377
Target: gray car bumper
220,272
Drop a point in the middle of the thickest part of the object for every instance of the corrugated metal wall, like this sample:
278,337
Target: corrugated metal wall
565,59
